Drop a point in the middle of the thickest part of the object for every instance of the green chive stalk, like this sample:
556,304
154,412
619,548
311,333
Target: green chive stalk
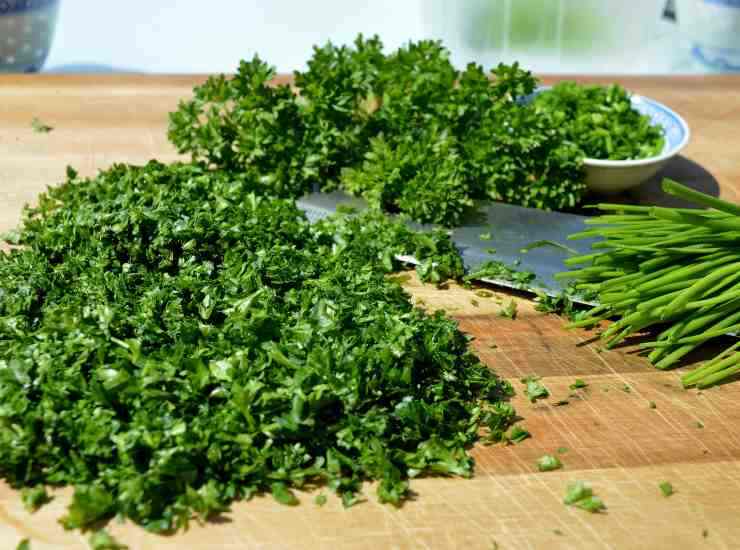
673,268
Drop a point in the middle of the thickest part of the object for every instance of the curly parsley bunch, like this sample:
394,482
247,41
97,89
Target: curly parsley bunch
406,130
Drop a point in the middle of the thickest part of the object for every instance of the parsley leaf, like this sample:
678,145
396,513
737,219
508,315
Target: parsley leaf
173,340
666,488
39,127
581,495
34,497
547,463
534,389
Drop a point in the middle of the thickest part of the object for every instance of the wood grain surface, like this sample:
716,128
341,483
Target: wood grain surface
610,435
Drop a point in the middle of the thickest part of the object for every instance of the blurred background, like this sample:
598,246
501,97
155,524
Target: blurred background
547,36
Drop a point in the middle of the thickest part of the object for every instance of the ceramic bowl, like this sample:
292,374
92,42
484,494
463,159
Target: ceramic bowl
610,177
26,31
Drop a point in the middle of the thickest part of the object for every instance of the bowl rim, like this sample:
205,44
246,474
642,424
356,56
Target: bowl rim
588,161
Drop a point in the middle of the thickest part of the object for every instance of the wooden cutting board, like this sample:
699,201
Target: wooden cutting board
611,435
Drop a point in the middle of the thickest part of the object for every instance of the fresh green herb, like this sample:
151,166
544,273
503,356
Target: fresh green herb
405,130
602,121
652,404
34,497
558,532
491,251
626,388
474,302
102,540
578,384
700,424
518,434
547,463
39,127
562,450
534,389
320,499
171,341
283,495
541,244
581,495
666,488
485,236
677,268
509,311
500,271
24,544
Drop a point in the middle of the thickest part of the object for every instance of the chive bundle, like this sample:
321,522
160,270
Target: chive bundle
675,267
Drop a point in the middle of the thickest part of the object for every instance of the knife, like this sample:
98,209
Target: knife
514,231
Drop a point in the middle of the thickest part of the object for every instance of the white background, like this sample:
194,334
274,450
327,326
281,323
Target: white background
195,36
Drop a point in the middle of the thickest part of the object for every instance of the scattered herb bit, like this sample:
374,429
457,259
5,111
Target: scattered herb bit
602,121
652,405
510,311
581,495
39,127
34,497
626,388
102,540
24,544
491,251
666,488
547,463
578,384
534,389
485,236
493,345
474,302
562,450
544,243
700,424
705,533
558,532
499,271
320,499
561,403
518,434
577,490
484,293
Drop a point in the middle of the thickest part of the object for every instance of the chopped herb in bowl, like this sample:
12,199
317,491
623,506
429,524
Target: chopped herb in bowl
601,121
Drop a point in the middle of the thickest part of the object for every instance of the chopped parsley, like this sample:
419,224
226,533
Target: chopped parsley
578,384
666,488
581,495
547,463
39,127
534,389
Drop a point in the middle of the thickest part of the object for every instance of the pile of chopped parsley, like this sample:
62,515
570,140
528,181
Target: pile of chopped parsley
171,341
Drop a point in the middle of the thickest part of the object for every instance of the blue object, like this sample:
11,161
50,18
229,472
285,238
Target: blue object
26,32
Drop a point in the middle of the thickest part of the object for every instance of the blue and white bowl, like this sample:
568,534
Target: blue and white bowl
26,32
610,177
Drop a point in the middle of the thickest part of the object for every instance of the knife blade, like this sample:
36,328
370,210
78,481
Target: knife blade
512,230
